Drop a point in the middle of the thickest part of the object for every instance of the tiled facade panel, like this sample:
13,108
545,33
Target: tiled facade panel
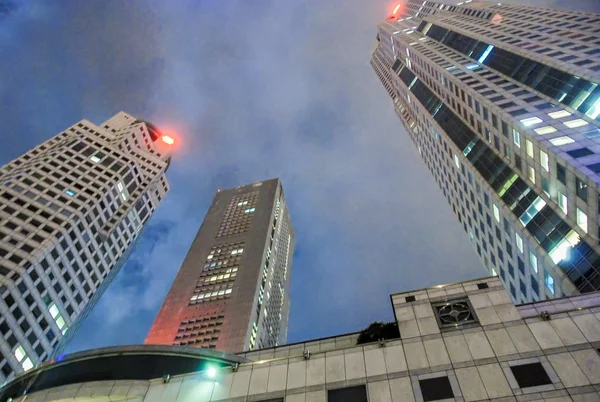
231,291
491,135
507,353
71,210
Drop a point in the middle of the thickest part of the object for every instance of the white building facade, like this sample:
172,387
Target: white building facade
71,210
502,102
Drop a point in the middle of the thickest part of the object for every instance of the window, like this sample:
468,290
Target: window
434,389
581,189
544,161
349,394
562,202
582,220
545,130
456,161
530,375
561,174
529,147
531,121
575,123
531,173
533,261
95,158
559,114
559,141
580,153
549,282
517,138
519,241
496,213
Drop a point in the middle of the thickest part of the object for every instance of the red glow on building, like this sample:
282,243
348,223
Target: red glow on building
168,140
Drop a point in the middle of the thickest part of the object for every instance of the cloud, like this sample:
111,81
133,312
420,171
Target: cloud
255,90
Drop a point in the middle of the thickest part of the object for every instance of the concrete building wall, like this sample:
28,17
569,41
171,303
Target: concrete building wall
479,361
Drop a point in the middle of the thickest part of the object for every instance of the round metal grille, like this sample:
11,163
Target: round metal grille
455,313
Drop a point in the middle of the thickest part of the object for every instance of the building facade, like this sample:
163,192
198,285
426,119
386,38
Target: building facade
458,342
232,290
502,102
71,210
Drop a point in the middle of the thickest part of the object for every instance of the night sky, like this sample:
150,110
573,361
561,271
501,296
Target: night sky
253,90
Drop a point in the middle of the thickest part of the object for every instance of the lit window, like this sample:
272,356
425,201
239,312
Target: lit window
210,257
529,146
124,196
60,322
533,262
531,173
559,114
20,353
519,242
582,220
531,121
456,161
27,364
575,123
562,202
544,161
95,159
559,141
496,213
70,193
53,310
120,186
549,282
517,138
545,130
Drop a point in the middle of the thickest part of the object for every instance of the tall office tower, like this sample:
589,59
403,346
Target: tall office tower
71,210
231,292
502,102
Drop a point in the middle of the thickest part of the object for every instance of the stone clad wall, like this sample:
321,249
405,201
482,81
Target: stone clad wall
475,358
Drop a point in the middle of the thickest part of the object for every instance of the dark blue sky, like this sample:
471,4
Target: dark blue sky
254,89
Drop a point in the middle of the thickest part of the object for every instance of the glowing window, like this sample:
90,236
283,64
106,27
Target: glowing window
544,161
517,138
20,353
582,220
529,147
531,121
70,193
27,364
533,262
95,159
549,282
545,130
53,310
519,242
575,123
562,202
456,161
559,114
559,141
496,213
531,173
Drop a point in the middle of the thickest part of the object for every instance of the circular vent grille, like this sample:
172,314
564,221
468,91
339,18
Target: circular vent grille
455,313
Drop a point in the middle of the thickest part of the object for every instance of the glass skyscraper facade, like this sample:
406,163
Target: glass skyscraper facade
232,290
502,102
71,210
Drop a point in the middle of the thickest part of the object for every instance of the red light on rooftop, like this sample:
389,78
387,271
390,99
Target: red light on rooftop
167,140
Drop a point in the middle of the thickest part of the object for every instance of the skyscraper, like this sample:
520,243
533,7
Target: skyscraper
502,102
232,290
71,210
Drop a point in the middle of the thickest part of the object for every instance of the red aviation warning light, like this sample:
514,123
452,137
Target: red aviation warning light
167,140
